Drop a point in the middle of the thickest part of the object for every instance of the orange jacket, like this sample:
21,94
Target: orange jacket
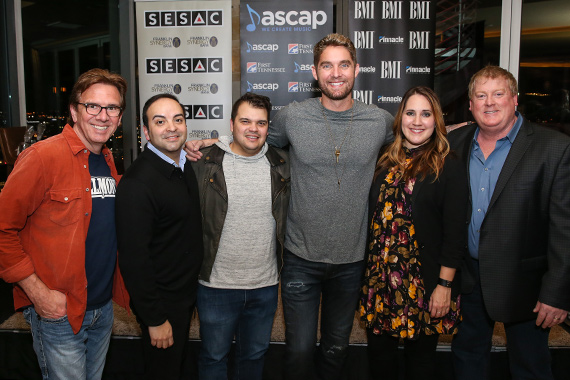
45,213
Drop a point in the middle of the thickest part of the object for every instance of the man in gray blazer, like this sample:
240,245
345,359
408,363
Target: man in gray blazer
519,232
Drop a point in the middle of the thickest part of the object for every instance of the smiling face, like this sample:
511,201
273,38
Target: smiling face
249,130
95,131
335,73
493,105
166,128
418,121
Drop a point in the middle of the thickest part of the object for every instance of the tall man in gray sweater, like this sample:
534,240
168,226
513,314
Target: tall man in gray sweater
244,194
333,143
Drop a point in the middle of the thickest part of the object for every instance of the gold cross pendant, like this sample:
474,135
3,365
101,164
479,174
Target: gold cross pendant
337,153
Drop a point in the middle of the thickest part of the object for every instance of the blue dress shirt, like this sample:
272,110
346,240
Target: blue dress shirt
180,164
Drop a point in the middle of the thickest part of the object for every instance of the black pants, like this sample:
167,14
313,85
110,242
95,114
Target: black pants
419,357
166,364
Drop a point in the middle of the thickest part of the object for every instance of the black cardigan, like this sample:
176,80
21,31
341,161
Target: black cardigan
439,212
159,234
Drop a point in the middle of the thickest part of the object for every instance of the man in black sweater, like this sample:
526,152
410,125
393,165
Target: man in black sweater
159,235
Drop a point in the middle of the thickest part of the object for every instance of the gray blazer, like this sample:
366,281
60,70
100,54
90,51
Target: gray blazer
524,247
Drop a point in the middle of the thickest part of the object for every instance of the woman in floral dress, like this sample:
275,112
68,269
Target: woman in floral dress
418,234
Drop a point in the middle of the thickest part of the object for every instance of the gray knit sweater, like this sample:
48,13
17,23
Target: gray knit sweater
246,255
327,224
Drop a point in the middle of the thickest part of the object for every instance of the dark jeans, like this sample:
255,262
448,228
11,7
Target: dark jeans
167,363
419,356
527,344
303,283
247,314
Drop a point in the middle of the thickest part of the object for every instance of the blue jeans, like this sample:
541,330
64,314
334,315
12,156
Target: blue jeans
63,355
302,285
527,344
247,314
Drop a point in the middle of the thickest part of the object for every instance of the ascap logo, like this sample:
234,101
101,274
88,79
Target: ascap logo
182,18
390,40
390,69
302,87
297,21
262,86
366,96
197,112
263,67
364,39
166,42
183,65
261,48
202,41
389,99
418,70
419,10
302,68
299,49
419,40
364,10
203,88
392,10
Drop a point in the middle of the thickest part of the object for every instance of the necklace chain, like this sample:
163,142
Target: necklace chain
338,148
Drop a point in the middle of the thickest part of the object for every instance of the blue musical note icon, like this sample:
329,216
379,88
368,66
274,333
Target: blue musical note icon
248,47
249,86
297,67
251,27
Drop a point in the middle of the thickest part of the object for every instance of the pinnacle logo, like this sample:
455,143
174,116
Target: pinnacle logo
311,20
389,99
364,10
419,10
251,67
418,70
390,40
364,39
390,69
154,19
293,49
203,112
419,40
183,65
392,10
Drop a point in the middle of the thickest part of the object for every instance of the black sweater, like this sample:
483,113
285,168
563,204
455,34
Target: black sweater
159,235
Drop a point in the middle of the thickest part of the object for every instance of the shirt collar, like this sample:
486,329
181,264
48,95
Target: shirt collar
180,164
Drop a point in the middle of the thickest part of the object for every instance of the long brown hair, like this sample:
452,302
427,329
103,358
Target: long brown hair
432,155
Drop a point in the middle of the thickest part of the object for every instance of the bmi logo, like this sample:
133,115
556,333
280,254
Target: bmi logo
364,10
419,10
392,10
252,67
419,40
390,69
365,96
364,39
293,49
183,65
293,87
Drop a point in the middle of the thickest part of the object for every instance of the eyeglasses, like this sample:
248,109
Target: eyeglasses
95,109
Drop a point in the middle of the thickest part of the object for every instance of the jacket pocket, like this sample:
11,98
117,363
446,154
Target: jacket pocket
65,206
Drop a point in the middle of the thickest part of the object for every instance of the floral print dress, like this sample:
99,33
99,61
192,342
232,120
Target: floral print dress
393,299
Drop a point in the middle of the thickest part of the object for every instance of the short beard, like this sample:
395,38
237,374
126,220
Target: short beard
338,96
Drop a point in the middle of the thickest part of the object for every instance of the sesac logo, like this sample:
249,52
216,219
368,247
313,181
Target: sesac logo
390,69
364,39
262,86
299,20
302,68
392,10
197,112
419,40
365,96
261,48
419,10
183,65
364,10
182,18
